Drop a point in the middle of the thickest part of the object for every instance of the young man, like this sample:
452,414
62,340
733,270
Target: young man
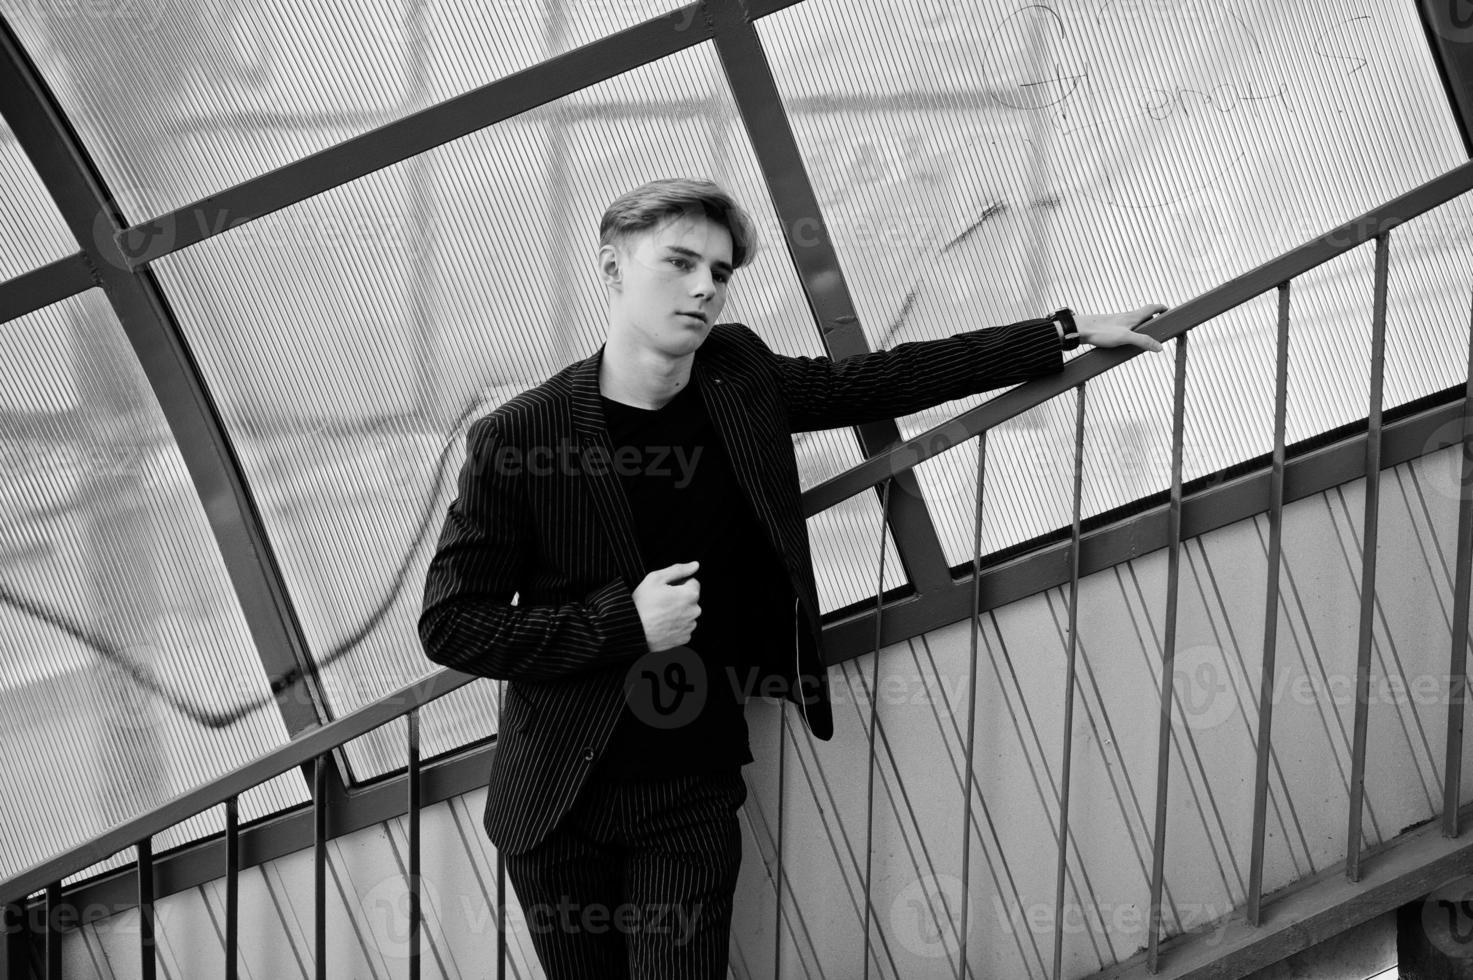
642,506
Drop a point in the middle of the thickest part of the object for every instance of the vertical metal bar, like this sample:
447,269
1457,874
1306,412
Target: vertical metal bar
778,874
1457,670
1368,561
872,694
1168,660
412,779
500,872
232,888
1271,615
972,697
52,925
15,957
319,863
1071,656
146,945
500,915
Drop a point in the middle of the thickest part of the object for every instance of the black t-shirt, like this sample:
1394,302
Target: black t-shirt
683,709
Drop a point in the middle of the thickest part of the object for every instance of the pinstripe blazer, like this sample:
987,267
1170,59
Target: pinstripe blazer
541,516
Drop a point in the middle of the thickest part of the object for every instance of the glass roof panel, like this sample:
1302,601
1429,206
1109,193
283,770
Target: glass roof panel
984,163
214,95
31,230
351,339
127,672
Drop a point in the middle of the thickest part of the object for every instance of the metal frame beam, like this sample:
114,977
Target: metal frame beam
46,136
403,138
1309,912
1450,36
814,256
1211,502
51,283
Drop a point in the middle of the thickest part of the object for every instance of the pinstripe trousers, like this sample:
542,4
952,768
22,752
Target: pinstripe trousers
637,880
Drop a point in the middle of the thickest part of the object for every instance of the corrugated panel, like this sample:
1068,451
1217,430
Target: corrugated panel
176,101
31,229
125,657
986,162
351,339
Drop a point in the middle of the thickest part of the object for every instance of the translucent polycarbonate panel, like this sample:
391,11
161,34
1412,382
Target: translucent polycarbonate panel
1028,485
1230,378
1427,312
127,672
990,162
31,230
176,101
350,341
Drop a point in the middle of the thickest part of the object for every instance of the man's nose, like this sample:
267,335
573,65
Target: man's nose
704,284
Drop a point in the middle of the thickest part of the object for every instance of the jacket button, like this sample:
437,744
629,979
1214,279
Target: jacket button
588,755
717,380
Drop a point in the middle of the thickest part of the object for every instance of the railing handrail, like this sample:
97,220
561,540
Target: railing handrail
1216,301
905,455
299,751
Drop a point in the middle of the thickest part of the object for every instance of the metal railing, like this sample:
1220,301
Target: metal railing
316,746
1277,274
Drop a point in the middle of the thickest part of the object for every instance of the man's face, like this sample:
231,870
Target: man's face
669,282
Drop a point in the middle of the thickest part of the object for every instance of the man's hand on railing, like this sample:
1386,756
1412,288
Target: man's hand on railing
1118,329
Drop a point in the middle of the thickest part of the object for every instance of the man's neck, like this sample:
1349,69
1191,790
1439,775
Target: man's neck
638,376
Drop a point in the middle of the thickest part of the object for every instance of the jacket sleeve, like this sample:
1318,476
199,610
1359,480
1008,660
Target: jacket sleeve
822,393
469,622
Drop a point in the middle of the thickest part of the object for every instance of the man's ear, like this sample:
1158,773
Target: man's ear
610,266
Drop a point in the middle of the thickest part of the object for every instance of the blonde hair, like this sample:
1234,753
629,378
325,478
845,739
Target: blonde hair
650,204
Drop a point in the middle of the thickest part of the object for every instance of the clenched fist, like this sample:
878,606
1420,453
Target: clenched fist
667,609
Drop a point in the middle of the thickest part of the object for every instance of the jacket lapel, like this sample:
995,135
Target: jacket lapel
725,404
602,483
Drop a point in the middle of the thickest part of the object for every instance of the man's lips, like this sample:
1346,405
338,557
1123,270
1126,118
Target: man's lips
698,316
